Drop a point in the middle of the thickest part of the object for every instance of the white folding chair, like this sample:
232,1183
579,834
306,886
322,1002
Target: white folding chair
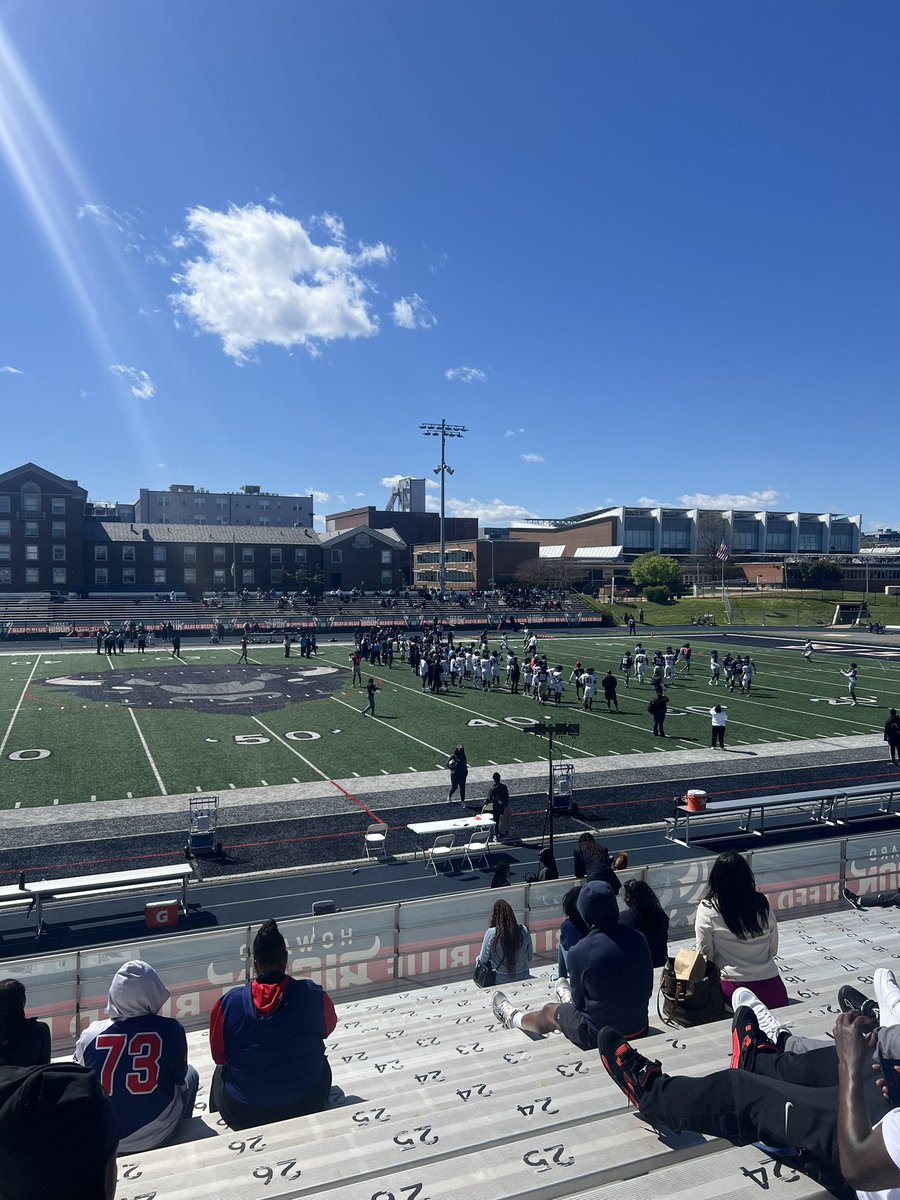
479,843
443,848
376,840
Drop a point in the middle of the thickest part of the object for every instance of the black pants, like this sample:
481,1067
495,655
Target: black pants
458,782
895,749
245,1116
659,724
789,1100
718,736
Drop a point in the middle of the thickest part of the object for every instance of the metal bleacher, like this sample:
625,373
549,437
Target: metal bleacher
442,1103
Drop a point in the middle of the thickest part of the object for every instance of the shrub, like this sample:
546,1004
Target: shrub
656,594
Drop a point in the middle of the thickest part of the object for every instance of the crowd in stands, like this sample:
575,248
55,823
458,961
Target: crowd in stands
810,1102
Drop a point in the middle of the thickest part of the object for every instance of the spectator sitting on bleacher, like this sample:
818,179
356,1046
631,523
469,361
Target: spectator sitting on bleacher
644,913
24,1041
571,931
811,1110
268,1041
506,945
736,929
57,1134
609,972
141,1059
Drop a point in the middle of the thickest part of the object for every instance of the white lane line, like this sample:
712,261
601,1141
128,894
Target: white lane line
160,784
387,725
288,746
12,719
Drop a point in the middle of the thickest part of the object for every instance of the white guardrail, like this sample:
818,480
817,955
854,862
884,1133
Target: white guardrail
371,949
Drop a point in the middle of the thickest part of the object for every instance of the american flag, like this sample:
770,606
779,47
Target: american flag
722,552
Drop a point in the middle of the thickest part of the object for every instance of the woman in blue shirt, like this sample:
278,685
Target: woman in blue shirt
507,944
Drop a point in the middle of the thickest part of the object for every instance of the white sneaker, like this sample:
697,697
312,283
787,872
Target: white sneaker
564,991
887,993
768,1023
504,1009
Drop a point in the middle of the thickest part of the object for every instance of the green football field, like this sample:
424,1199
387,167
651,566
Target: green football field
81,727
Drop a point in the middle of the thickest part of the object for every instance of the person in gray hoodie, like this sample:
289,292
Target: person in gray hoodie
140,1059
609,972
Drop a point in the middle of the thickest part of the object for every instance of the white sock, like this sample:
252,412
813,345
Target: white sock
516,1022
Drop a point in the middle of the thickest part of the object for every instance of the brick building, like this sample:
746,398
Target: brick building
41,544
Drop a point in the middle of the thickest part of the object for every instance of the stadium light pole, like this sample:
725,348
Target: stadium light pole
443,431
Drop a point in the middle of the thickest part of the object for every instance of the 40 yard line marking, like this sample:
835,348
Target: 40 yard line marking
12,719
161,785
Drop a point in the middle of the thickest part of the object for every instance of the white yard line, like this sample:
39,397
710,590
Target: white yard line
12,719
288,746
160,784
393,729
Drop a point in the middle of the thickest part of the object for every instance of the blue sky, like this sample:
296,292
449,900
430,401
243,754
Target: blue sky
642,250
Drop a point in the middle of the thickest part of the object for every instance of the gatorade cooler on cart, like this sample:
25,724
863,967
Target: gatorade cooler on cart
695,800
161,914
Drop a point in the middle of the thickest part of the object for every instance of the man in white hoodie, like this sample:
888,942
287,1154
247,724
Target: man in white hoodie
140,1059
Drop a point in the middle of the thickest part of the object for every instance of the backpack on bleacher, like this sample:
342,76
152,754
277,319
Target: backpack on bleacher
690,991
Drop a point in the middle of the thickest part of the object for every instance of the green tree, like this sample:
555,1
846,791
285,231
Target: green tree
657,570
818,572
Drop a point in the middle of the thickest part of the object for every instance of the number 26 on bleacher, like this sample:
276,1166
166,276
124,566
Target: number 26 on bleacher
267,1174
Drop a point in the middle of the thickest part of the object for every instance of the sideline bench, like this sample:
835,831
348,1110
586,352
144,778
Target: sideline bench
80,886
825,806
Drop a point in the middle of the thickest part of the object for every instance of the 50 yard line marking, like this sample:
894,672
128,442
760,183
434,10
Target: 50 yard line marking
162,786
12,719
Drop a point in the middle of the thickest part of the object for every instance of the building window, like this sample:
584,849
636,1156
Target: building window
275,555
31,500
809,541
5,504
190,554
190,575
264,506
841,541
300,554
221,504
199,520
59,554
337,557
31,575
101,575
5,529
159,554
199,504
386,578
778,541
745,539
128,575
32,554
218,554
5,555
32,529
264,521
218,578
58,529
386,558
127,554
247,577
275,578
59,575
6,575
159,574
58,506
163,502
247,554
100,553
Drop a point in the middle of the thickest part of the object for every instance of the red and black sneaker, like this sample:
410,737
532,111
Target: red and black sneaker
626,1066
748,1040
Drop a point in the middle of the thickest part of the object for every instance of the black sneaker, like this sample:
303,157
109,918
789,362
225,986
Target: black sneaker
627,1067
852,899
748,1040
850,999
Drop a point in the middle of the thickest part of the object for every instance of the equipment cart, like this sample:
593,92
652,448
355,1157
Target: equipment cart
203,819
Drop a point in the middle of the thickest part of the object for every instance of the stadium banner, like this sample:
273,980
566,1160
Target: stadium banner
873,863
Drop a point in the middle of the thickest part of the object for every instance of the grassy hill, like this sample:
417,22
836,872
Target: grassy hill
753,608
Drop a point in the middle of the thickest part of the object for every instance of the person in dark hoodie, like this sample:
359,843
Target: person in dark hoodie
140,1059
57,1134
24,1041
268,1041
609,972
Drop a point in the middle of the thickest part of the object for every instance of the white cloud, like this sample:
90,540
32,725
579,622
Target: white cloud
513,432
318,497
139,382
494,511
411,312
162,464
178,241
125,224
532,458
10,371
318,524
261,279
391,481
750,500
432,485
359,493
465,374
273,200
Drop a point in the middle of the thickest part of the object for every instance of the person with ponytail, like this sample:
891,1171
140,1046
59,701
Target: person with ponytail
735,928
268,1041
24,1041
